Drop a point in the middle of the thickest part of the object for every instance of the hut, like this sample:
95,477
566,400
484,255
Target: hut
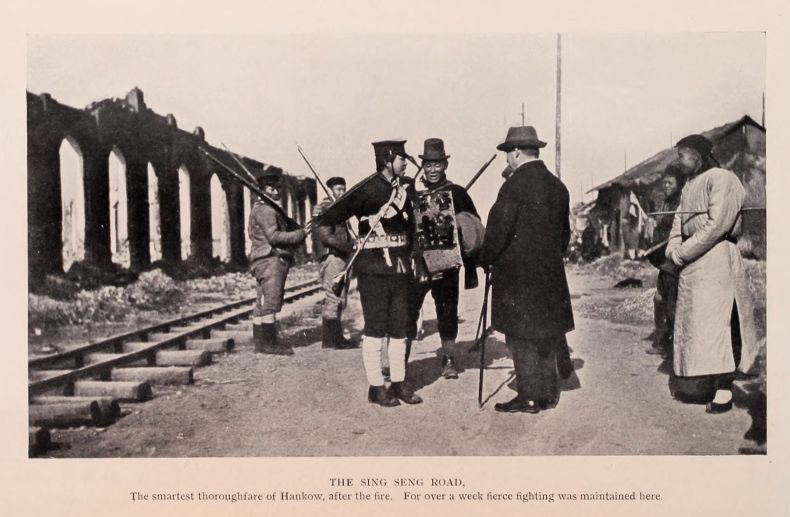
622,202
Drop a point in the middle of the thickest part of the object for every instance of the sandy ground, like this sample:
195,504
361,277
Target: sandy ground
314,403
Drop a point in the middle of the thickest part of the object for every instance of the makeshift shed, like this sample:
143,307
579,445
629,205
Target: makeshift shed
739,146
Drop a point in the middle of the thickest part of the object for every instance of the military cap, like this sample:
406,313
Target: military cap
270,176
335,180
386,150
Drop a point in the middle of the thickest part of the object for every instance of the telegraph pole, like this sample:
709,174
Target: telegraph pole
559,110
522,114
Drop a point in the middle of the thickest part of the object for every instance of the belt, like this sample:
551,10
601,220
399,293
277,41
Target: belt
390,240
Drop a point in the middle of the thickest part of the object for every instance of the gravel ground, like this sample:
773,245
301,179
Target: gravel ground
314,403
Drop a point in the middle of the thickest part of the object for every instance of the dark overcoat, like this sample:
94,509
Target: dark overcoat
527,234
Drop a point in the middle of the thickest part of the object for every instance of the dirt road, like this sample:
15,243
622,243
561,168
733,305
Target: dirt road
314,403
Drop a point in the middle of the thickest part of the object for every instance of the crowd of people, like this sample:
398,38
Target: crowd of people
702,310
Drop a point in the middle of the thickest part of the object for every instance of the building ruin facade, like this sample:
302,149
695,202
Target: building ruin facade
117,182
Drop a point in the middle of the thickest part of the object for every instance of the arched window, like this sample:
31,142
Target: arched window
119,234
184,208
247,197
220,220
154,226
72,197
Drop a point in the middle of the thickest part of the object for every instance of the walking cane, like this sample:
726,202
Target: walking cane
482,339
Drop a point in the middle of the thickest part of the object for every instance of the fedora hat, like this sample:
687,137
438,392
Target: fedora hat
521,137
434,150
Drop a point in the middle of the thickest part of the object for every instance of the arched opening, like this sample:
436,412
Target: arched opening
220,220
308,212
184,210
72,199
247,197
119,224
154,225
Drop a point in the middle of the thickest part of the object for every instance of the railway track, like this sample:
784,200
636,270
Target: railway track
84,385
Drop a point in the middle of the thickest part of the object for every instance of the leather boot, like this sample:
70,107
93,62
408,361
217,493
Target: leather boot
379,395
271,346
400,391
257,338
328,334
448,368
340,341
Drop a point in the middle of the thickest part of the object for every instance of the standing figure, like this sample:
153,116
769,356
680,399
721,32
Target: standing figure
443,285
527,235
334,249
272,255
666,295
714,326
383,267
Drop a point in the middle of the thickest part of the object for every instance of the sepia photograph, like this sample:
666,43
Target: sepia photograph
333,245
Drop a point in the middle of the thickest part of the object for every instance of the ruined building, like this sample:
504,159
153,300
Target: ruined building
117,182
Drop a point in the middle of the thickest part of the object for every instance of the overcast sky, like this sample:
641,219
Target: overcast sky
622,94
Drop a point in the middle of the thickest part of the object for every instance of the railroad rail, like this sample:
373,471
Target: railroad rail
84,384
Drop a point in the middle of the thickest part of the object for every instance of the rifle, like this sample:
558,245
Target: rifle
747,209
482,169
323,186
245,181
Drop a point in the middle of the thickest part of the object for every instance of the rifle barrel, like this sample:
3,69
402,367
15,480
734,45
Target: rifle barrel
481,171
671,212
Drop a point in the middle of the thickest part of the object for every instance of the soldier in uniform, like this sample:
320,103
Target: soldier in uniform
273,247
442,285
334,249
383,267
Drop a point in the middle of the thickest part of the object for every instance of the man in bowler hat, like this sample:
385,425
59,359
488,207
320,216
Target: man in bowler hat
527,235
273,248
443,285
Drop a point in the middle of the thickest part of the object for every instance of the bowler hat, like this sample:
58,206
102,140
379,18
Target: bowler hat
697,142
335,180
521,137
434,150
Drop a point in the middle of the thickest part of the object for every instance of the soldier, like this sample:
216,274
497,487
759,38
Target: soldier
273,247
383,267
334,249
527,235
443,285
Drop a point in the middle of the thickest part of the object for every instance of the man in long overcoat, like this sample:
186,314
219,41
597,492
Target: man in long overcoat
527,235
714,325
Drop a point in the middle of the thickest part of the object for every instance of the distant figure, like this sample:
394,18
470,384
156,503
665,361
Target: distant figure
527,235
666,295
714,328
591,246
